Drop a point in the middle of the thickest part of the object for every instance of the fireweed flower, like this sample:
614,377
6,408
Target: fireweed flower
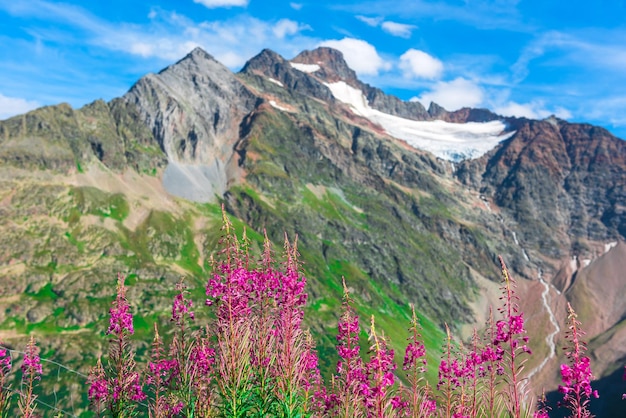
296,359
350,382
31,372
121,320
229,292
420,403
511,336
5,369
381,400
181,306
576,375
543,408
31,366
449,374
122,382
98,386
5,361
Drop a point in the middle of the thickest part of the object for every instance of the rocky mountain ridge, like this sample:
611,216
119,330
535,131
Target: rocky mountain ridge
89,192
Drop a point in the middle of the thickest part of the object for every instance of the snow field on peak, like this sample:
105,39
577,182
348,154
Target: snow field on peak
305,68
448,141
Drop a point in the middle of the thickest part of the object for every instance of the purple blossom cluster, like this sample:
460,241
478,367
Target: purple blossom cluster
31,366
5,369
120,320
257,359
576,375
5,361
31,373
181,306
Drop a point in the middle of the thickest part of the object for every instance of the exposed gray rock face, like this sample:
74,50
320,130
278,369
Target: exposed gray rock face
269,64
394,106
194,109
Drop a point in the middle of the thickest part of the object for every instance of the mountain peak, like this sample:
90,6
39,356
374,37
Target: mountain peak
266,59
196,60
198,52
333,66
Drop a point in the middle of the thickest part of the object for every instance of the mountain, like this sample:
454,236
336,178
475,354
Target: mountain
409,204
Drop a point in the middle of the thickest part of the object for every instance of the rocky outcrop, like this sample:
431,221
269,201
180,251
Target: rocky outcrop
194,109
61,138
560,181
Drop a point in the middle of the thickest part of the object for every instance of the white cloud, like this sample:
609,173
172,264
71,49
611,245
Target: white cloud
563,113
418,64
287,27
453,95
604,51
398,29
11,106
212,4
394,28
296,6
170,36
533,110
361,56
370,21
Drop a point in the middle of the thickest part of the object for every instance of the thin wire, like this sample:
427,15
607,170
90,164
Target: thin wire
42,403
66,368
48,361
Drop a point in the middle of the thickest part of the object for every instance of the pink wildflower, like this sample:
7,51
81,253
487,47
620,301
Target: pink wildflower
5,361
31,372
415,351
576,375
181,306
31,367
121,319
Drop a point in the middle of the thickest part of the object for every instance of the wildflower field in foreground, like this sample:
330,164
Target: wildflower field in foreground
254,358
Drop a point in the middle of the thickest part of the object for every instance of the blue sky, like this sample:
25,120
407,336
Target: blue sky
524,58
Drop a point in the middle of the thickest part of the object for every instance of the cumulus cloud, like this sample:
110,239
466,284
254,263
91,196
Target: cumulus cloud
212,4
170,35
361,56
398,29
418,64
532,110
11,106
286,27
453,95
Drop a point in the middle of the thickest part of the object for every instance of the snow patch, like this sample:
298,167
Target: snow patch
484,200
608,246
275,81
515,238
448,141
277,106
573,263
305,68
